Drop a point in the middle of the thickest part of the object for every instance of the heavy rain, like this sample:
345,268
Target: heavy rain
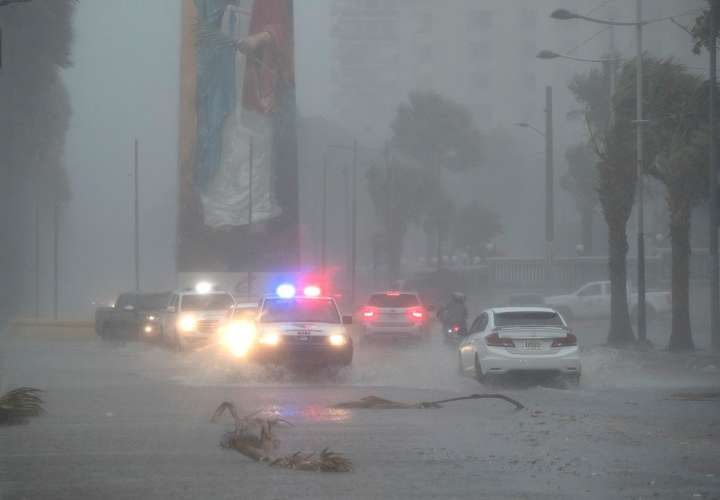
359,249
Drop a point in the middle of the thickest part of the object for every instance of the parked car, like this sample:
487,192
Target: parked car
592,300
130,315
519,339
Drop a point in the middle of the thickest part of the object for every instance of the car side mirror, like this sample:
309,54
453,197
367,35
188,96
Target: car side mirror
170,309
347,320
129,307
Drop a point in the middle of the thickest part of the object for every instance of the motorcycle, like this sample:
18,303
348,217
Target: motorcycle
454,332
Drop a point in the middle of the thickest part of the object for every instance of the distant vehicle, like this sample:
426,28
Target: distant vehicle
305,329
519,339
193,316
394,314
128,318
592,300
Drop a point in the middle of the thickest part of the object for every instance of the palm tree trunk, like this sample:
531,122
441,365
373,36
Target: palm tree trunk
620,333
681,335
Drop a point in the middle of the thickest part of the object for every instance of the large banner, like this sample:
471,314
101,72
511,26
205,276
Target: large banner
238,207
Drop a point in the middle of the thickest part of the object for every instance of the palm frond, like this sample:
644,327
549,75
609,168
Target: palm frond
19,404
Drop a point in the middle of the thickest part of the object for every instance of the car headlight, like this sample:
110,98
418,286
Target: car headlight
338,340
148,329
270,338
239,336
151,318
187,323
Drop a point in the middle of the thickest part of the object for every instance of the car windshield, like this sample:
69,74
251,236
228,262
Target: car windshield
153,301
300,309
207,302
528,318
393,300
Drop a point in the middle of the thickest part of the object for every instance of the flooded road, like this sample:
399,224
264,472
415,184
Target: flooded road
133,421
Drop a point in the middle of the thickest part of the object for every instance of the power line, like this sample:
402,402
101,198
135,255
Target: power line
588,40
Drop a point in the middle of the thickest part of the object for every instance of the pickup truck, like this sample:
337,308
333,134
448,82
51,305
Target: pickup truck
131,312
194,317
592,301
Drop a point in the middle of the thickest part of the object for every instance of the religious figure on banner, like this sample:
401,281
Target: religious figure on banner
245,168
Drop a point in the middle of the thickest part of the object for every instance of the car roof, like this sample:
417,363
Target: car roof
395,292
322,297
501,310
213,292
243,305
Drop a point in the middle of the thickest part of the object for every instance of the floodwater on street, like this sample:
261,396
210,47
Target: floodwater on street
132,420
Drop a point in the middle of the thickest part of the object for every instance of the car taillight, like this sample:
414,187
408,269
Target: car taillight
416,313
567,341
369,313
494,340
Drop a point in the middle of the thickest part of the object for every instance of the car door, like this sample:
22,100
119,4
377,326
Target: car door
468,347
589,301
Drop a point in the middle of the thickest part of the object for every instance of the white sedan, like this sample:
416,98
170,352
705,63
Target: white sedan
511,339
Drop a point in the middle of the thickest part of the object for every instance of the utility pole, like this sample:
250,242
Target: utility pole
714,271
56,231
37,254
391,216
353,224
137,217
549,184
642,326
323,227
250,216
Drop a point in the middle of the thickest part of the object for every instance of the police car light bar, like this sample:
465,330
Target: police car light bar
312,291
285,291
203,287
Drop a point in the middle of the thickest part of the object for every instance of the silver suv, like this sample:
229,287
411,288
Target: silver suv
391,313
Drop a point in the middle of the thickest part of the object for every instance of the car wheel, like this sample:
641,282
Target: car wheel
478,371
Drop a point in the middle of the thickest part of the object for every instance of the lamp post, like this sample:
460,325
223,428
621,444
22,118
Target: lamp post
549,174
563,15
714,271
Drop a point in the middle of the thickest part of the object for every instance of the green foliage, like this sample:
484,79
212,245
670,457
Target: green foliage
580,179
475,226
701,31
676,105
400,192
35,110
437,133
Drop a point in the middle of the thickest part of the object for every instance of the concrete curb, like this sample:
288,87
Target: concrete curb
51,329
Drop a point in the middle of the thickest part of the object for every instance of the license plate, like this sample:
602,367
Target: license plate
303,338
531,344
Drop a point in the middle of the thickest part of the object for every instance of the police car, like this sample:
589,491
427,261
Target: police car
193,316
305,328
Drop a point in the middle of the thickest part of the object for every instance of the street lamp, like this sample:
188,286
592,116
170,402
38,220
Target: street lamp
549,54
531,127
564,14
